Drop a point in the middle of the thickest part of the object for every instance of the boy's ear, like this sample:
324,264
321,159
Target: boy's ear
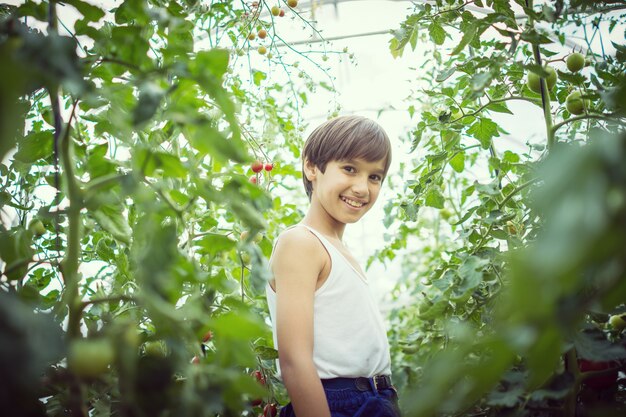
310,170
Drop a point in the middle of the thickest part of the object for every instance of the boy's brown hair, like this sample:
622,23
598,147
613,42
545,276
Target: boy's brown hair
345,138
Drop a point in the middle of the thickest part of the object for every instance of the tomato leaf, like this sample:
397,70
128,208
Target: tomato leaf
437,33
91,12
35,146
214,243
484,130
434,198
111,219
468,36
458,162
499,108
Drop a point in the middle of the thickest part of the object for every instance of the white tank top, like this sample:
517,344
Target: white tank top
350,339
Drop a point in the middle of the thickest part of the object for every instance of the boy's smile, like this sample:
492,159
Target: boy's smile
353,203
347,189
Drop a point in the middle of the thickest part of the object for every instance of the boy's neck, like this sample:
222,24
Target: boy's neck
326,226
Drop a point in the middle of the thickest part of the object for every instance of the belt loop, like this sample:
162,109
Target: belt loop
373,384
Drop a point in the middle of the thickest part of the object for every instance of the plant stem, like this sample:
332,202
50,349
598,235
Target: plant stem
70,263
545,92
583,117
571,365
515,191
69,267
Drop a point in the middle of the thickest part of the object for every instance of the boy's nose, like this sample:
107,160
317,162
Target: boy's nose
359,187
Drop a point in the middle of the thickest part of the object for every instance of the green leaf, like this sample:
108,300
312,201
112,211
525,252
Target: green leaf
490,189
445,74
214,61
150,96
467,215
91,12
534,36
266,353
111,219
210,141
471,273
237,326
593,345
130,44
437,33
258,76
37,10
407,33
484,130
434,198
395,48
35,146
499,108
510,157
458,162
150,162
481,81
214,243
433,311
508,399
104,249
468,36
15,252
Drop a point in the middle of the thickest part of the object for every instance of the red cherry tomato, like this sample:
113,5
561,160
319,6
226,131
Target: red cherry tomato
207,337
256,166
269,410
599,382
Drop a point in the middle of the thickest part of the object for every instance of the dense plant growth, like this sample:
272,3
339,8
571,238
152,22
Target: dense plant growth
512,302
142,145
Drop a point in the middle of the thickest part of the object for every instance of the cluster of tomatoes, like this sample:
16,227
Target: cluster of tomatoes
575,103
270,409
257,167
255,11
603,375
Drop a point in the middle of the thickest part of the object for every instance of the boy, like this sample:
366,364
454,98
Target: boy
331,340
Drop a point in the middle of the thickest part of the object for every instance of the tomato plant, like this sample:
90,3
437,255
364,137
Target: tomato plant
575,62
131,225
127,131
495,233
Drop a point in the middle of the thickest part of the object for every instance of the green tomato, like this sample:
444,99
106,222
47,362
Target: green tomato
575,62
89,358
36,227
533,81
131,337
575,104
155,349
617,321
245,258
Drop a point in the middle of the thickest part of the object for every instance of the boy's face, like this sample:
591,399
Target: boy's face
348,188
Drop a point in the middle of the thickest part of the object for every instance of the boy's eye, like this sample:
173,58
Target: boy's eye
349,168
376,178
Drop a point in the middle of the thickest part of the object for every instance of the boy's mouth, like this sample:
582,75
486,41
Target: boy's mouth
352,203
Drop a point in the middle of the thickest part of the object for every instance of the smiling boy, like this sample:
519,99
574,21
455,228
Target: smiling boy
331,340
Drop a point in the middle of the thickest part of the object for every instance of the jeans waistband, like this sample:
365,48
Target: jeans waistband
377,382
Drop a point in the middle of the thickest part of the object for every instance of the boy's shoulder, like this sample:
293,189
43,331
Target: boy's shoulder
298,241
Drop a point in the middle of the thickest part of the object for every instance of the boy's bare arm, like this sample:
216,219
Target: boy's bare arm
297,261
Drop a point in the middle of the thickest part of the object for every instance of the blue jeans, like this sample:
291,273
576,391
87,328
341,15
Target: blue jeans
354,403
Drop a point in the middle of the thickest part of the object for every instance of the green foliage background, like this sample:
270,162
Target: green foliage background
142,131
